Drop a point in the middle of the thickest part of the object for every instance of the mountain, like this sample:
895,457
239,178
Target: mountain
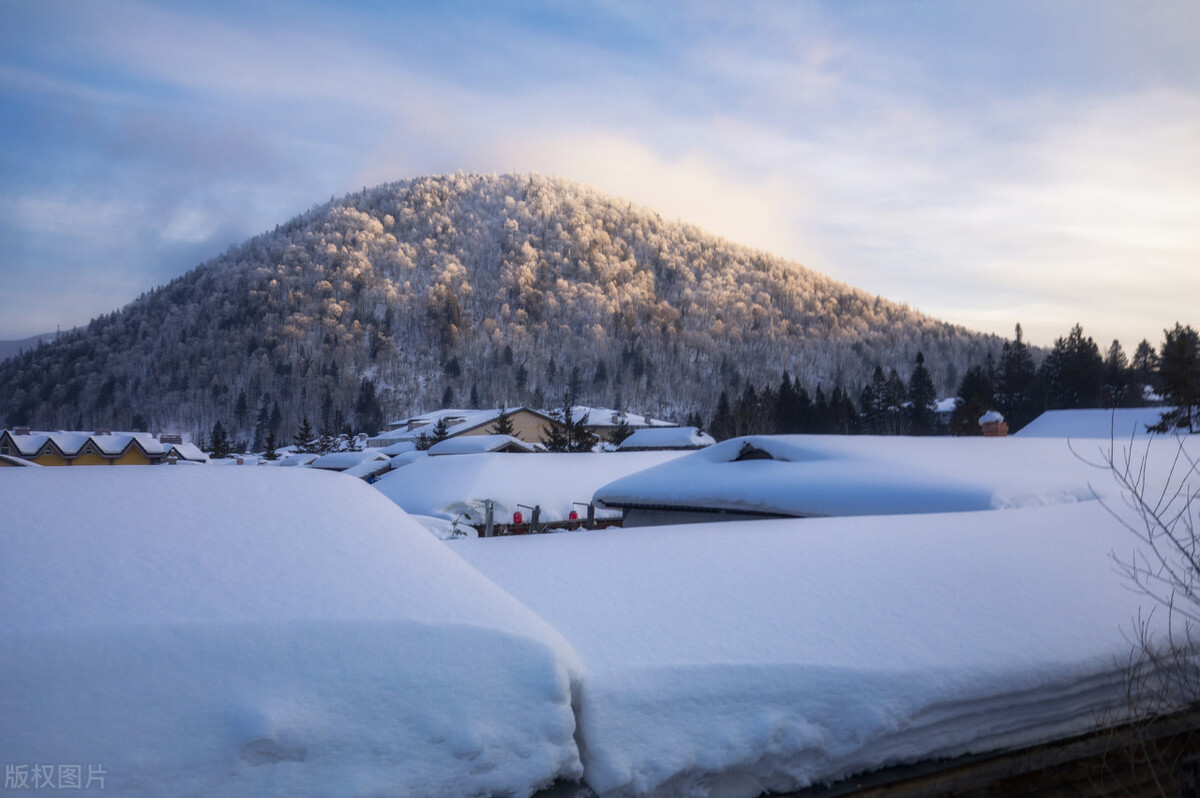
10,348
468,287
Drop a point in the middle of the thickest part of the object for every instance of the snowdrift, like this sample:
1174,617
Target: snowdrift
265,631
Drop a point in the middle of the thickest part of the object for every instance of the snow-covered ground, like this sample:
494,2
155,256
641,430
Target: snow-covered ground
248,631
290,631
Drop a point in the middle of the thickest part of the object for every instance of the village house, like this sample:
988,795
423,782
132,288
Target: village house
101,447
528,425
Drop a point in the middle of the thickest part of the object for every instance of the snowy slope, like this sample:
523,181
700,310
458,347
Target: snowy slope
733,658
249,631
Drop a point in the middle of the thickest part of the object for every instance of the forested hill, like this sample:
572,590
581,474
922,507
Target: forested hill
472,289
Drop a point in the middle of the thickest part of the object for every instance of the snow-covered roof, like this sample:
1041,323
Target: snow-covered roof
666,438
71,443
1119,424
457,420
13,460
479,444
453,487
399,447
340,461
298,459
603,417
369,468
991,417
187,451
248,645
829,475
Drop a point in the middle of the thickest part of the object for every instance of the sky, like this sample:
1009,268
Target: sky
989,163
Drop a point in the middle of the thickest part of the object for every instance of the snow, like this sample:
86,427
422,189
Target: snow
340,461
400,447
1120,424
667,438
456,487
991,416
248,631
734,658
478,444
298,459
830,475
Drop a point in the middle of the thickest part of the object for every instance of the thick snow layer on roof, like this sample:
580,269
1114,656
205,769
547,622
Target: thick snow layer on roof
601,417
369,468
771,655
340,461
454,487
400,447
478,444
188,451
1120,424
265,631
667,438
298,459
829,475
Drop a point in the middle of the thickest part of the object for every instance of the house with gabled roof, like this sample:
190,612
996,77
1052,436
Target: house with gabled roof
528,425
101,447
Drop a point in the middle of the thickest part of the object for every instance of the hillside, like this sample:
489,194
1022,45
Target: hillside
468,287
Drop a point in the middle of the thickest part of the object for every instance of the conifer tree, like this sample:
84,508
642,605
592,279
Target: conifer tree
975,397
270,453
218,441
1072,375
1016,383
503,425
304,440
922,399
1179,380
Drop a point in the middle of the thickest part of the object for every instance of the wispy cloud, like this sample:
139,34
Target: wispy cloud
988,163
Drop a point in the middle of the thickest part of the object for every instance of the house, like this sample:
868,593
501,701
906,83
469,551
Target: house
101,447
801,476
528,425
603,422
481,444
341,461
652,438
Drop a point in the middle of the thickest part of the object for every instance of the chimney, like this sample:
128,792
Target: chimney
169,438
21,431
994,425
102,431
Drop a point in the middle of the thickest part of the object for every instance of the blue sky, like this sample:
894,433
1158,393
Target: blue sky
986,162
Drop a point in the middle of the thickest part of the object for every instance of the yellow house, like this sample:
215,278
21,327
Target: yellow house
102,447
528,425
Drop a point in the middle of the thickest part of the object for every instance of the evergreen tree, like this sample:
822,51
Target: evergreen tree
1116,376
1072,376
368,414
218,442
473,402
722,423
975,397
893,404
270,453
503,425
822,421
441,431
922,399
304,439
622,430
1016,384
1142,370
326,441
1179,380
261,422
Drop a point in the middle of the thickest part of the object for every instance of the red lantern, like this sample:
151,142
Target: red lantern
573,516
518,518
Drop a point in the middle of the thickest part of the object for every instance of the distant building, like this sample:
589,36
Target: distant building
528,425
101,447
655,438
